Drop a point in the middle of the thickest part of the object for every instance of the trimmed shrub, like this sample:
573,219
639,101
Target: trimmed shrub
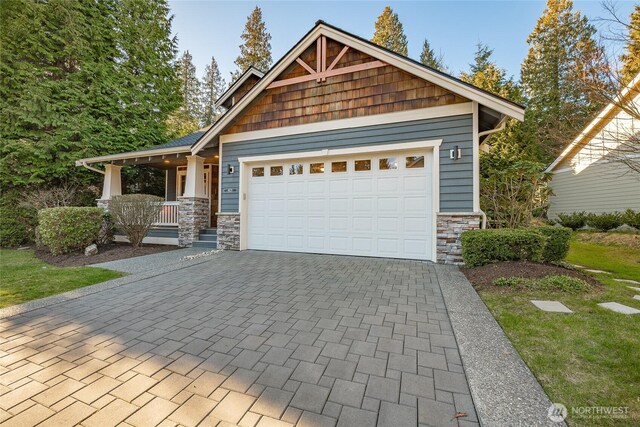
631,218
605,221
557,245
481,247
573,220
68,229
17,225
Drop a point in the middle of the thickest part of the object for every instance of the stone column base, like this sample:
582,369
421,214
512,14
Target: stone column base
103,203
229,231
193,216
450,227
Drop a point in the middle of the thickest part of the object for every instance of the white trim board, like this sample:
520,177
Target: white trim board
354,122
321,29
251,71
135,154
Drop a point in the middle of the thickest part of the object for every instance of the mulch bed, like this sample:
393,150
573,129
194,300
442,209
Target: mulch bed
111,252
485,275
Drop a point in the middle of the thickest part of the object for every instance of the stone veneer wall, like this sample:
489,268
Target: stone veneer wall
450,227
193,216
229,231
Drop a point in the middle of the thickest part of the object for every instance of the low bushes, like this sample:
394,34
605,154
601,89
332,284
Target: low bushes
134,214
68,229
17,225
557,245
601,222
481,247
573,220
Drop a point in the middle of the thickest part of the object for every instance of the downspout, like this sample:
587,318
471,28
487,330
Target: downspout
91,168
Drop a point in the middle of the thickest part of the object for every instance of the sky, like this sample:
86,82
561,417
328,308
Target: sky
453,28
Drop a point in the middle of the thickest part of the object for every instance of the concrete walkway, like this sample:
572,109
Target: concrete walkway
250,338
145,263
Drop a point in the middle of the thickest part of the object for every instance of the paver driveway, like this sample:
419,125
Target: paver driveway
250,338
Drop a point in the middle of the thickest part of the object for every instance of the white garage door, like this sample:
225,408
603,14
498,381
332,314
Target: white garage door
369,205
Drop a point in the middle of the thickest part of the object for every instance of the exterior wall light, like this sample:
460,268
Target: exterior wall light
455,153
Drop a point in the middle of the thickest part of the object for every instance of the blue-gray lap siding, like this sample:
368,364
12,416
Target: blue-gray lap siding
456,176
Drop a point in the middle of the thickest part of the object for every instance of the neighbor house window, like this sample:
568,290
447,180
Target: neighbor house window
276,170
363,165
338,166
257,172
388,163
296,169
316,168
414,162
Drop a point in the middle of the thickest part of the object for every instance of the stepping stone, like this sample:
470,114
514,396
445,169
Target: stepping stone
577,266
633,288
634,282
636,297
619,308
552,306
597,271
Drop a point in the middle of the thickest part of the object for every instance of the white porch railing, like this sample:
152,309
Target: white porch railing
168,214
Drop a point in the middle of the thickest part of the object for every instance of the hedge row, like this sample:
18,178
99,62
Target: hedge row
481,247
602,222
68,229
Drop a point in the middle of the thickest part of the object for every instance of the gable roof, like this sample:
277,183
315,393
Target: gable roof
453,84
627,95
237,84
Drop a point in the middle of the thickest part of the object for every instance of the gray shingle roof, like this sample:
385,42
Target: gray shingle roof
186,140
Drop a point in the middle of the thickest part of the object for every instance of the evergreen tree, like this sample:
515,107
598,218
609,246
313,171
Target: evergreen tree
429,58
57,86
563,59
150,89
78,79
486,74
212,87
389,32
631,58
256,47
190,109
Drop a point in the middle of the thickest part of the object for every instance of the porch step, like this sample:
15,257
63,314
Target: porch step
208,238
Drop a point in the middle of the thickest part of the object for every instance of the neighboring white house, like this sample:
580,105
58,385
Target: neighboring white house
589,174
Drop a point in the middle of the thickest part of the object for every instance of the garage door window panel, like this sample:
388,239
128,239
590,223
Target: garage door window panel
388,163
414,162
362,165
257,172
316,168
337,167
276,170
296,169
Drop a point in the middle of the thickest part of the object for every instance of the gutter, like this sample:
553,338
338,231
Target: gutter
91,168
501,126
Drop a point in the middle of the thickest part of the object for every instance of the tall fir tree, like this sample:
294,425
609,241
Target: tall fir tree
563,59
255,49
79,79
429,58
213,86
389,32
151,90
186,118
631,58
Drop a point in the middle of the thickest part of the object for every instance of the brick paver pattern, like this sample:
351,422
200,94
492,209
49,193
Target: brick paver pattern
249,339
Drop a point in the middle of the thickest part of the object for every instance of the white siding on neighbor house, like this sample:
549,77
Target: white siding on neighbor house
601,187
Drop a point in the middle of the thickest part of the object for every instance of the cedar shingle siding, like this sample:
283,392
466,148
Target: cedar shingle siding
363,93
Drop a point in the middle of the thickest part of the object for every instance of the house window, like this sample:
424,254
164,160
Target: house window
296,169
388,163
276,170
338,166
413,162
257,172
316,168
363,165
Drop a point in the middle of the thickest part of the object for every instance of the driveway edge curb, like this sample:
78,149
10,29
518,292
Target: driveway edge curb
504,390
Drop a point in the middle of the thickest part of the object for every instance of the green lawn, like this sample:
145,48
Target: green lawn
591,357
23,277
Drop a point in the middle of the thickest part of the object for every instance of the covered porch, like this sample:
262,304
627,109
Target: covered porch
191,185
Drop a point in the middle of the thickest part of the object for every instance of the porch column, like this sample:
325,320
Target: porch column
112,185
193,209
